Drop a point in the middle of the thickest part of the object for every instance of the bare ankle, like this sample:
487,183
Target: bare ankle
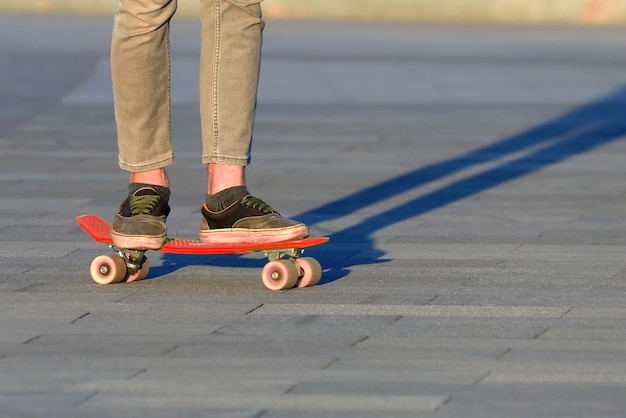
157,177
224,176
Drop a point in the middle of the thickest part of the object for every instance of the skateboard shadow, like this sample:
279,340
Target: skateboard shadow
571,134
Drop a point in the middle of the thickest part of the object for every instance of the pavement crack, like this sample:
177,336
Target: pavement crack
482,378
126,296
567,312
30,340
330,364
394,319
291,388
444,403
80,317
219,330
254,309
541,333
359,341
507,351
171,350
429,301
465,282
139,373
86,399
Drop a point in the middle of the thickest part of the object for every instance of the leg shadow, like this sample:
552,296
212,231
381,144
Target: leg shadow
573,133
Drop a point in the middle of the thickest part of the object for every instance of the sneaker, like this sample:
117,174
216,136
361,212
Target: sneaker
140,223
234,216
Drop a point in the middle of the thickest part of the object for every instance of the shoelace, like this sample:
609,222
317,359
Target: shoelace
143,205
258,204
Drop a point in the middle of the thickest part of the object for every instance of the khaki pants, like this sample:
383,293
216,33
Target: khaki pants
229,75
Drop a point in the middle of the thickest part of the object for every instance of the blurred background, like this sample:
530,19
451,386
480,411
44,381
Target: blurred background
476,11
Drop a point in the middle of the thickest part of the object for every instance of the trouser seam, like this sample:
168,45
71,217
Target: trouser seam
169,81
216,58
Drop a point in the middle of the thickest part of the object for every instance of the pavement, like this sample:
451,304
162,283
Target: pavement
471,180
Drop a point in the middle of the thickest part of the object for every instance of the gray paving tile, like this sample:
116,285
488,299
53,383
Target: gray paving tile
217,400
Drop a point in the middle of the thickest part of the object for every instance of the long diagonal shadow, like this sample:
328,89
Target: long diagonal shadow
554,141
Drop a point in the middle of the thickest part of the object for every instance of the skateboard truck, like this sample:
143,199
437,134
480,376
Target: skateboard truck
134,258
290,253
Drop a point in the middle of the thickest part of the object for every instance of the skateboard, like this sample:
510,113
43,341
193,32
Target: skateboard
285,268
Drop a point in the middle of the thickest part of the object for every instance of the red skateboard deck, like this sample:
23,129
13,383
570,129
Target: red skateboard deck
278,274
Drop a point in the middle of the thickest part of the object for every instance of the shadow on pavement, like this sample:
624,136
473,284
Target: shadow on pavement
554,141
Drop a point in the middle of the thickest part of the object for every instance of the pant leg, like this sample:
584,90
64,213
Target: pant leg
229,76
140,67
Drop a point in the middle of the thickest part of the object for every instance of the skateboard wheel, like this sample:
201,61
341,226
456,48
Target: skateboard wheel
108,269
141,274
279,275
311,271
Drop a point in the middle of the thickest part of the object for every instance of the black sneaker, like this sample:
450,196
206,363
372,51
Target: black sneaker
140,223
233,216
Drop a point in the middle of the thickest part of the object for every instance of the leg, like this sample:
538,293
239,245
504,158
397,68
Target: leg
140,66
229,76
230,63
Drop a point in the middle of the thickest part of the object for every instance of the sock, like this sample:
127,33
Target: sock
163,192
221,200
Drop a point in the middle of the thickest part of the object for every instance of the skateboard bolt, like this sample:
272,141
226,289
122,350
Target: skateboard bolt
104,270
275,275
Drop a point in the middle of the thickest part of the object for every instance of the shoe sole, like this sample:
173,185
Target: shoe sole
138,242
253,236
